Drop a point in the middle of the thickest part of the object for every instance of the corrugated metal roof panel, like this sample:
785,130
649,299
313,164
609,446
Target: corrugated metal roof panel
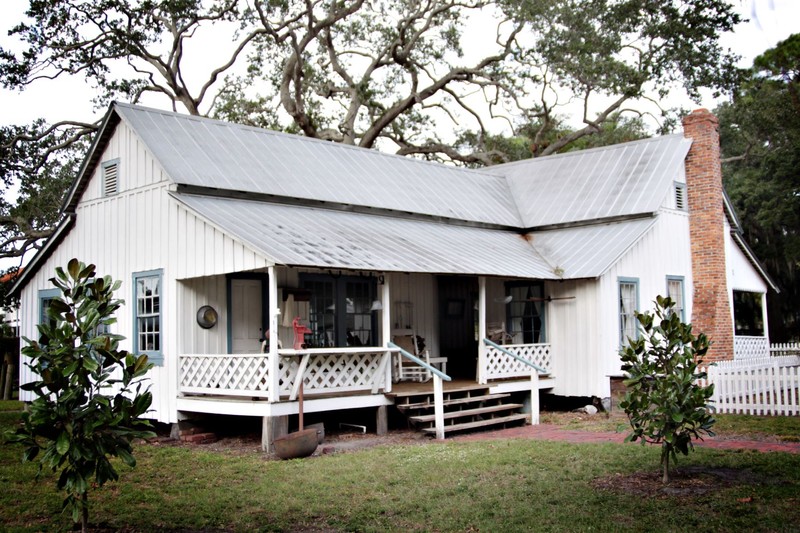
588,251
306,236
210,153
626,179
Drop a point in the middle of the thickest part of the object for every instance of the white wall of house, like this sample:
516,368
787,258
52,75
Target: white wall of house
663,252
140,229
743,276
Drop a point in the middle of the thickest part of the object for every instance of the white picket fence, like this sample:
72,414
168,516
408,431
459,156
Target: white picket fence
785,348
758,386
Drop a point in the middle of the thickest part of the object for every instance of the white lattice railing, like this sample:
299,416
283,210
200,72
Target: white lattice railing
224,374
499,365
750,347
325,371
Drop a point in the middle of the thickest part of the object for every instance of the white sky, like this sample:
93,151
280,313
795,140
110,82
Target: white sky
770,22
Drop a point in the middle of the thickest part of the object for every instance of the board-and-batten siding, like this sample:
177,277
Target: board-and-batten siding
742,275
139,229
663,251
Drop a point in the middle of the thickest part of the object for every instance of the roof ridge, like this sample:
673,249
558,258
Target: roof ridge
297,137
575,153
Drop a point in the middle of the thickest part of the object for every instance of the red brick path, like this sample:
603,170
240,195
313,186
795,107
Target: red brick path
556,433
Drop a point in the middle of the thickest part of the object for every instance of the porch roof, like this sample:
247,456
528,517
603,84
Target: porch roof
325,238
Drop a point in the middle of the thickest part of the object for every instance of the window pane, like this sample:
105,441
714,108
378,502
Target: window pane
627,308
148,317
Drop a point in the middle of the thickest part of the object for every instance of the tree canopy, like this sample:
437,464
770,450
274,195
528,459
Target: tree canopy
413,76
760,137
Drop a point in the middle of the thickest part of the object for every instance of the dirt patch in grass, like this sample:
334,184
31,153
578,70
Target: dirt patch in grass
685,482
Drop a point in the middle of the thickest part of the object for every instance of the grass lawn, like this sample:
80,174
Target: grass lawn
514,485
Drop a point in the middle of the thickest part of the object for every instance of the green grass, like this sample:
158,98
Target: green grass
514,485
782,428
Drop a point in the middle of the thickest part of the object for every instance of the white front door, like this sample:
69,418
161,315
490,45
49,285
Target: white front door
246,320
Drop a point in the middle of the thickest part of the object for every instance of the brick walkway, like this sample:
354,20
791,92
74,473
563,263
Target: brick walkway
556,433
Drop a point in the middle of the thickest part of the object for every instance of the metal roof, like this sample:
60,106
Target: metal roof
614,181
588,251
203,152
309,236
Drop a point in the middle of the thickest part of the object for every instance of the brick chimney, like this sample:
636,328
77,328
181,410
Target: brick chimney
711,312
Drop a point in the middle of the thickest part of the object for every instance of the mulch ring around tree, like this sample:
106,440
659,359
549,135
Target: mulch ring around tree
684,482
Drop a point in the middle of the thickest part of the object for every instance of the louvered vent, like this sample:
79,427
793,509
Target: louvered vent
110,175
680,196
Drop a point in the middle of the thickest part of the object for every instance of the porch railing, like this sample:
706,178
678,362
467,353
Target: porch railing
438,388
499,365
745,347
324,371
533,370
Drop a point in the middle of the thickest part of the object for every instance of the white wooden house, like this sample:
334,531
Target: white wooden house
262,227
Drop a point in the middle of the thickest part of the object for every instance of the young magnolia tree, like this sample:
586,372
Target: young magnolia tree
89,394
664,402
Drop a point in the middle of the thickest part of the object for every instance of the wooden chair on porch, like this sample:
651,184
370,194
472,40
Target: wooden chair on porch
405,369
496,332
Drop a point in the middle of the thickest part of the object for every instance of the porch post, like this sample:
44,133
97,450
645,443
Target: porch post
765,320
438,406
386,329
534,397
274,378
481,330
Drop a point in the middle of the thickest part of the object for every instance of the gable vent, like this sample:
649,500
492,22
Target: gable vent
110,175
680,196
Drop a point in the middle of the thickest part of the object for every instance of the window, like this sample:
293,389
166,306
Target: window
680,196
45,297
675,292
525,312
628,305
147,316
110,177
340,311
748,314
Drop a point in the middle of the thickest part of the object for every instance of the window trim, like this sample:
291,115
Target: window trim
682,281
339,294
543,337
155,356
42,295
105,165
635,283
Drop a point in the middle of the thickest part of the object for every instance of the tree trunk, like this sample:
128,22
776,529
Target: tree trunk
665,464
84,512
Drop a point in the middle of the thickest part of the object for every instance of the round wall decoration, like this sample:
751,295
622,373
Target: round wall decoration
207,317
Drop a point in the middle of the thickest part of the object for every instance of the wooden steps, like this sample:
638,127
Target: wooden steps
465,409
468,412
480,423
447,403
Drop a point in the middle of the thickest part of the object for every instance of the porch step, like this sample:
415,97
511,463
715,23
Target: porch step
457,401
465,408
468,412
478,424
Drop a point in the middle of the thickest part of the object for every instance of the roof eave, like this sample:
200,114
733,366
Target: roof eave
107,127
44,252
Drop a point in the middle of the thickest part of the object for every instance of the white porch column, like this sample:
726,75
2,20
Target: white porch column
481,330
386,329
766,321
274,381
438,406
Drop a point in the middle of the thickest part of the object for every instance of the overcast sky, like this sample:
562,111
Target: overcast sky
770,21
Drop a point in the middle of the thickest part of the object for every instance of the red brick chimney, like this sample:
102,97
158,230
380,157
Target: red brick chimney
711,312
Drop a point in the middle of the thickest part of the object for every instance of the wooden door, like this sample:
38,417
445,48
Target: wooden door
457,321
246,320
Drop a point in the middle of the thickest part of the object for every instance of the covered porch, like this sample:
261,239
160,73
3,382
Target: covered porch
348,358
